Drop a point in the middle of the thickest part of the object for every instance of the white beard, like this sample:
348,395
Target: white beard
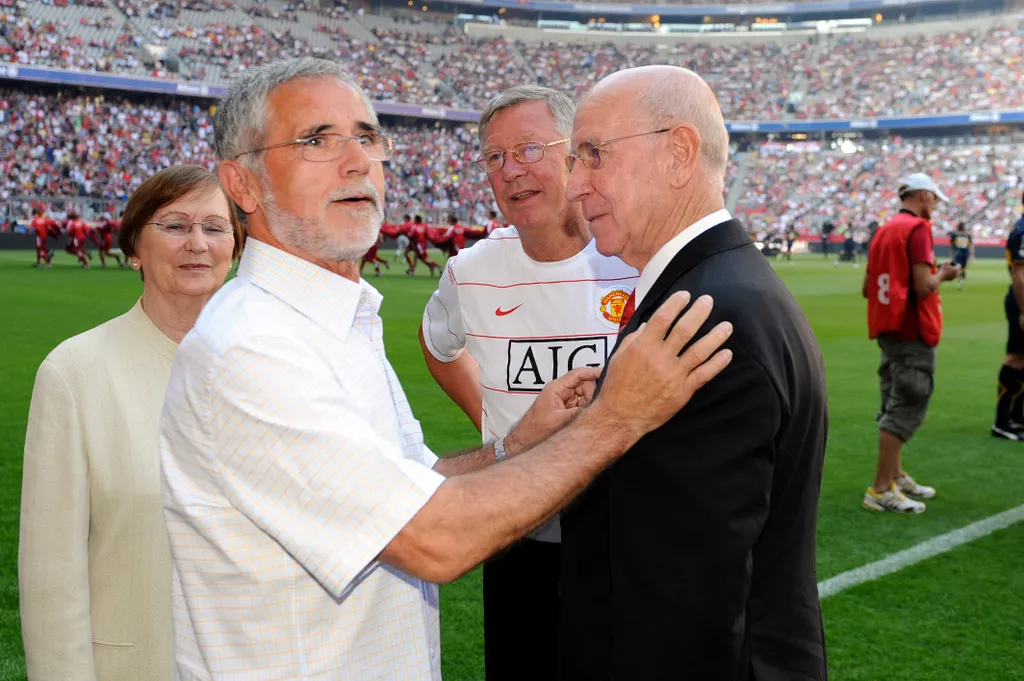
311,235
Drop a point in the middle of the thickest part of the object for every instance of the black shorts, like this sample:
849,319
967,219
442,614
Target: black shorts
961,258
1015,339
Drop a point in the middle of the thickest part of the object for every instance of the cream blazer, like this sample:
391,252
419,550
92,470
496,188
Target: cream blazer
94,566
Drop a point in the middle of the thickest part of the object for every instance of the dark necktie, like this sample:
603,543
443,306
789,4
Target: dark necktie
627,312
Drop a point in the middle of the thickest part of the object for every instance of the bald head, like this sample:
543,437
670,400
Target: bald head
668,95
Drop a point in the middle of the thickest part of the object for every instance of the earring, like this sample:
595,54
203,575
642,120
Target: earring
136,264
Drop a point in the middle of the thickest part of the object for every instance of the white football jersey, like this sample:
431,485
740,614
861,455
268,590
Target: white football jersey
525,322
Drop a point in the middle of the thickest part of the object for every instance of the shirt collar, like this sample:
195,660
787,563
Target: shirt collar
328,299
666,253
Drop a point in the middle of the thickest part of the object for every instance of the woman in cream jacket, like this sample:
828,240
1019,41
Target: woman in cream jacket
94,566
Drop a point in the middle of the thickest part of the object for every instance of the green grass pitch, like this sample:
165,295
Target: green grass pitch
955,617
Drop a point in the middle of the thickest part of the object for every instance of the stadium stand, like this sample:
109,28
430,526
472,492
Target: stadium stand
804,189
80,144
81,37
978,70
752,81
437,64
105,146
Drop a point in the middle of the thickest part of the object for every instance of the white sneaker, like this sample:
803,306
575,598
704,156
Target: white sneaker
908,486
893,501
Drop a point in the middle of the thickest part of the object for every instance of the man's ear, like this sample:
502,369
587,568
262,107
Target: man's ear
238,181
684,145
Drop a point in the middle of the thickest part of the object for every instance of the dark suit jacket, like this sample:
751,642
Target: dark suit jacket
693,557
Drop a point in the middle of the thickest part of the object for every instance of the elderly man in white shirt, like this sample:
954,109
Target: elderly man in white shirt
308,522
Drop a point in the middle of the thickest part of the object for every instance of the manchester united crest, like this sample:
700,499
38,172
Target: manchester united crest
613,303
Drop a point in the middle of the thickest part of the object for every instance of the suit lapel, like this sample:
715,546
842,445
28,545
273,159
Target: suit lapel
720,238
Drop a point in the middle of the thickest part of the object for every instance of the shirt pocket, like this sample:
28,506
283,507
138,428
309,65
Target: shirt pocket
115,661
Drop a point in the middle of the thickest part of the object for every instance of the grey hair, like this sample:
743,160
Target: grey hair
242,117
559,103
672,102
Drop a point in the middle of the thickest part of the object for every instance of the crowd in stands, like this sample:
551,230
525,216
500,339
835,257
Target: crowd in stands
981,177
226,47
751,81
450,36
95,145
966,71
34,41
104,146
433,168
171,9
479,70
842,77
385,69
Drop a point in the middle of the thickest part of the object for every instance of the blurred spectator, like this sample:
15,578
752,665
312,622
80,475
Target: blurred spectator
480,69
105,146
839,77
807,188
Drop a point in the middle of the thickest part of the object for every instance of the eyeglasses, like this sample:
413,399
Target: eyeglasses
329,146
214,230
590,153
527,152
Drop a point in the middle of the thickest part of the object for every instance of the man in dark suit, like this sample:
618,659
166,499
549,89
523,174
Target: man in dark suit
693,557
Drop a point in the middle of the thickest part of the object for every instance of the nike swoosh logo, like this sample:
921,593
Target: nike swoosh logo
501,313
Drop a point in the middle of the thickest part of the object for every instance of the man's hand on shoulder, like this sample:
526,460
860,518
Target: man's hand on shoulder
650,378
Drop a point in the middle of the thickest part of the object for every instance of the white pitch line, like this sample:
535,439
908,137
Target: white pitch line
922,551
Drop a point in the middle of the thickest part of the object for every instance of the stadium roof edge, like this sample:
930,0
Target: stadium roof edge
36,74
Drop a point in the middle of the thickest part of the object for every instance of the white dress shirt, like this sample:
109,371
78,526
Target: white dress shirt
290,459
671,249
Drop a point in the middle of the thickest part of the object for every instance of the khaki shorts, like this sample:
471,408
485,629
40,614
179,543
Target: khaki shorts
906,378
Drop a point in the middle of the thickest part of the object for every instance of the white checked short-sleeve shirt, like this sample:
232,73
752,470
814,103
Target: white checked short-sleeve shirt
290,459
525,323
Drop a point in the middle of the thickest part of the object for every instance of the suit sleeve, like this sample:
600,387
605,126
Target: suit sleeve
53,551
702,483
443,329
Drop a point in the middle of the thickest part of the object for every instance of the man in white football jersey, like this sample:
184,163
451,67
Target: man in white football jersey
516,310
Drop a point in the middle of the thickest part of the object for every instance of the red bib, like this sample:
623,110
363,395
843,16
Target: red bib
891,296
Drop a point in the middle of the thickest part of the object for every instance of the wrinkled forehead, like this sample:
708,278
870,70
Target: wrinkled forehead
529,121
299,105
602,116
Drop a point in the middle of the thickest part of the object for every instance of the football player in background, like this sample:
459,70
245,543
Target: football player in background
493,223
103,237
77,231
417,250
456,236
1009,423
963,252
373,258
402,242
44,229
